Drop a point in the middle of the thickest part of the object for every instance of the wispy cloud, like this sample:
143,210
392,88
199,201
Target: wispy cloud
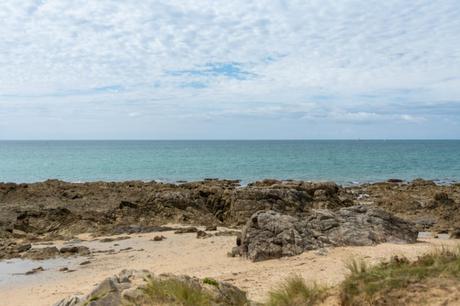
259,63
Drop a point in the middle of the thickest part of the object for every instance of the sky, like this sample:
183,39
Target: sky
198,69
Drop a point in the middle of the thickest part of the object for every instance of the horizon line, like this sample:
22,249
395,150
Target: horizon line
242,139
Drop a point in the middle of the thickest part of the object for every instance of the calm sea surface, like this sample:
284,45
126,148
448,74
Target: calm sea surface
342,161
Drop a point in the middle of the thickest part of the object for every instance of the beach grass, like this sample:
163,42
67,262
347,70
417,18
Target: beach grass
294,291
366,284
175,292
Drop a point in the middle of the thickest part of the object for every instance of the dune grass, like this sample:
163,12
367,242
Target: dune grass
175,292
295,292
365,284
210,281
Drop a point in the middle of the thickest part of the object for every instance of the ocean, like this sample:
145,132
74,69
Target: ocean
343,161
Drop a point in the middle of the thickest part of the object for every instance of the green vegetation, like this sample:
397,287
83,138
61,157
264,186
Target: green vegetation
211,281
366,284
175,292
382,284
295,292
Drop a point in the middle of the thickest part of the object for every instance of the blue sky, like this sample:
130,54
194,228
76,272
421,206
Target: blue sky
180,69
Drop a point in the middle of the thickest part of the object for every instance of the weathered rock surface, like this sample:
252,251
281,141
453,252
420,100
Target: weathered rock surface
433,207
289,197
269,234
128,288
10,248
59,210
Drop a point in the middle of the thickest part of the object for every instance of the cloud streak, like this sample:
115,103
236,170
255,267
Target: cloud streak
341,62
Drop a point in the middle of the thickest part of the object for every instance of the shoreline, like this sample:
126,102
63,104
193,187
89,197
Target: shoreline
244,183
193,228
185,255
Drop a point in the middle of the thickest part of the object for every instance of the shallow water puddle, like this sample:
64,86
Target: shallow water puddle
428,235
14,270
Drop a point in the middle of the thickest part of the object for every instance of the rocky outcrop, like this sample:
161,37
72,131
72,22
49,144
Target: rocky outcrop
55,209
289,197
134,287
270,234
58,210
433,207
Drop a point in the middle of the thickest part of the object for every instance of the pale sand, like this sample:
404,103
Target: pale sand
185,254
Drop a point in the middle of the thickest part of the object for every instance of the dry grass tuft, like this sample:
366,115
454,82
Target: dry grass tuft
295,292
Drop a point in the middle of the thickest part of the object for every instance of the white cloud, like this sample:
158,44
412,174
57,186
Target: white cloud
354,61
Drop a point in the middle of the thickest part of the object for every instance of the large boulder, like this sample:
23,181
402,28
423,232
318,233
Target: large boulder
270,234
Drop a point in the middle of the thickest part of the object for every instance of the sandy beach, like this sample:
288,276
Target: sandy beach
185,254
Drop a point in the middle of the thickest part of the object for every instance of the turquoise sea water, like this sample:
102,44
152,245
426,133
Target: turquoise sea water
344,161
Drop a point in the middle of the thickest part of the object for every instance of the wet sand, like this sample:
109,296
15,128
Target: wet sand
184,254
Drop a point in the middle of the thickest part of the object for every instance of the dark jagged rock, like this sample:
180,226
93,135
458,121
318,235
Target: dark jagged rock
186,230
202,235
159,238
35,270
269,234
24,247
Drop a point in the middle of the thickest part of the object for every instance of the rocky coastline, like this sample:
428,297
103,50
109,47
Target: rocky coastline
266,219
56,209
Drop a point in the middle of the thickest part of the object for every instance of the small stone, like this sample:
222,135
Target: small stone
202,234
186,230
159,238
35,270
